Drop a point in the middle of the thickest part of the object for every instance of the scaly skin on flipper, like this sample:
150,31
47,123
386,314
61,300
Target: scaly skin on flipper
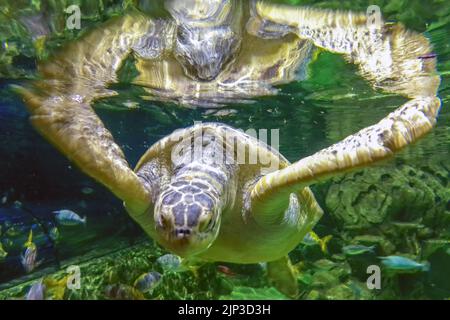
390,57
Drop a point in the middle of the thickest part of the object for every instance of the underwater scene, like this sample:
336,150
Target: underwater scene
342,105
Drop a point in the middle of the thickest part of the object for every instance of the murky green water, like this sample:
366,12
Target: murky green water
400,207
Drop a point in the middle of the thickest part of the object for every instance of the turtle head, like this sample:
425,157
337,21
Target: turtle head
204,52
208,35
187,218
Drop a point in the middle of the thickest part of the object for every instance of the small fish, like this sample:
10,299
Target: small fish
4,199
87,190
123,292
312,238
69,218
226,270
428,56
28,259
354,250
147,281
3,253
402,264
55,289
131,105
308,240
169,262
36,292
29,243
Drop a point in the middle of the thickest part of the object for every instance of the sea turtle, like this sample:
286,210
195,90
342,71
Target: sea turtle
196,192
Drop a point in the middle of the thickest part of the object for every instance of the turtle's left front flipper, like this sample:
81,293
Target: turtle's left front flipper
391,58
60,107
77,132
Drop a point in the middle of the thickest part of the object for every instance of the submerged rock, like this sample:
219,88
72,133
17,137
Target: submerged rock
373,196
394,208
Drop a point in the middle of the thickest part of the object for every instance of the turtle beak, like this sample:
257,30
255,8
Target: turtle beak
182,240
209,71
179,240
205,52
182,244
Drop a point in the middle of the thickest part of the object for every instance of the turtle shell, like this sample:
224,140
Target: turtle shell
157,167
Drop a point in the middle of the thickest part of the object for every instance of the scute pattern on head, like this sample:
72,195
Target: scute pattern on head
188,201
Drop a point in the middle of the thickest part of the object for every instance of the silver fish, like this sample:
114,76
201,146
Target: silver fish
147,281
354,250
69,218
169,262
36,292
28,259
402,264
87,190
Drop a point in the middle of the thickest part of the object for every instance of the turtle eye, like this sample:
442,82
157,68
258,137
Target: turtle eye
205,224
164,222
183,35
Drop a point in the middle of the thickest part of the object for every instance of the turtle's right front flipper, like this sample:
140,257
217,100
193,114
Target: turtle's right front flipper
391,58
60,108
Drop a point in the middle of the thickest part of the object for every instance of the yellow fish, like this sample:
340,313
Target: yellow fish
321,241
29,243
55,289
